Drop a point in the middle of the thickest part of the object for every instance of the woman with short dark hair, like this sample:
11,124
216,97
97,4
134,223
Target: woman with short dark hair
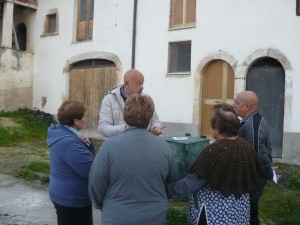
222,176
71,157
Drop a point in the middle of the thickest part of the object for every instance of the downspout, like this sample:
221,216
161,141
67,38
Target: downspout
133,35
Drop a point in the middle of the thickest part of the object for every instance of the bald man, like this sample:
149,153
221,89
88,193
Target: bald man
111,121
255,130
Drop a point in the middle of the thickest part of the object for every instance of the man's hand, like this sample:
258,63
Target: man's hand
157,130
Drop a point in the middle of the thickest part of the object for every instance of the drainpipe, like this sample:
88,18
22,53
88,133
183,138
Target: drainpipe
133,35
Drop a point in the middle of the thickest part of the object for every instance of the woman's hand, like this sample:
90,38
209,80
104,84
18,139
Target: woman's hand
85,139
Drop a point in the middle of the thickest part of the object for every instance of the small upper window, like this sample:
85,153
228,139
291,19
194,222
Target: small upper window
179,57
51,23
85,17
21,32
298,7
183,13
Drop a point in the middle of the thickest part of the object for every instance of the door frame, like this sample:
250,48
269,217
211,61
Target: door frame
262,73
90,56
282,59
198,82
221,72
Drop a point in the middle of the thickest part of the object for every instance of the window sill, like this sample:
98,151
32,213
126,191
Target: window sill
81,41
179,74
50,34
182,27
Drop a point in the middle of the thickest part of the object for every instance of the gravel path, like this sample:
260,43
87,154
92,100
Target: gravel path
27,203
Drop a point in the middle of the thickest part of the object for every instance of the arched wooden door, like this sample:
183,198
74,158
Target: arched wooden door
218,87
266,78
89,82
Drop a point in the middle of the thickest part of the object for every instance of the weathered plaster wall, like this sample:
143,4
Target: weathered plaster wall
16,75
291,148
27,17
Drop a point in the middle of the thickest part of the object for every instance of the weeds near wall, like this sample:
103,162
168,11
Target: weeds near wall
31,125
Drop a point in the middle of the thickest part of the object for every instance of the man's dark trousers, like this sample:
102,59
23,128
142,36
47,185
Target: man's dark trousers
255,194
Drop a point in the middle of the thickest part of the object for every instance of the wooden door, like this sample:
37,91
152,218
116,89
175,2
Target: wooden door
90,85
218,87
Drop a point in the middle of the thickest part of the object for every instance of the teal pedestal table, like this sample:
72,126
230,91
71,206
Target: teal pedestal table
186,150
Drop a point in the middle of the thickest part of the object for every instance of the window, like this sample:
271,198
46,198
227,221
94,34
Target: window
51,23
183,13
179,57
21,32
85,16
298,7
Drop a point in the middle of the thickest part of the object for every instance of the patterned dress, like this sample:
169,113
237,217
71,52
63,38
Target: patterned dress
219,209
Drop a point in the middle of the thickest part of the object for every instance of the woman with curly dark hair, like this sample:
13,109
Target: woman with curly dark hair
222,176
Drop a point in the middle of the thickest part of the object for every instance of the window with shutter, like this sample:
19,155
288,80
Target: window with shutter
85,17
298,7
183,13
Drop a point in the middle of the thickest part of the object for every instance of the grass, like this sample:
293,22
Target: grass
177,213
27,126
32,126
35,170
294,181
280,204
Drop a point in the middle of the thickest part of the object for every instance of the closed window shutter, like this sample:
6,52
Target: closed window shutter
177,13
190,11
85,20
183,13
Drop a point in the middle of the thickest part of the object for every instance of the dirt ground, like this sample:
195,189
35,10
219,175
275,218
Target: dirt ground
12,158
28,203
8,122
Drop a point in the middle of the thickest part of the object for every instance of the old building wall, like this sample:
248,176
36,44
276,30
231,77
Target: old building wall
16,76
26,16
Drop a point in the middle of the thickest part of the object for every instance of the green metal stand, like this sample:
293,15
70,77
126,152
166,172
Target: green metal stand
186,151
